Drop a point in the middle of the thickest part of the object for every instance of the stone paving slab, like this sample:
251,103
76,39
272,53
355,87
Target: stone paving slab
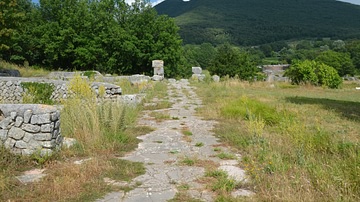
162,150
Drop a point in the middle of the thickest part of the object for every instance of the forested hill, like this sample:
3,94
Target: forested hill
252,22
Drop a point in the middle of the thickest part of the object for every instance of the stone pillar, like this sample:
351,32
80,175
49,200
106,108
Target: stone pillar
158,66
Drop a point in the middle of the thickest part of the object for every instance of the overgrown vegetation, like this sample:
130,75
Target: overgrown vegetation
39,93
312,72
296,143
103,133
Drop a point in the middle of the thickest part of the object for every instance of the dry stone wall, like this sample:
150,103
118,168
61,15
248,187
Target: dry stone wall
11,90
29,128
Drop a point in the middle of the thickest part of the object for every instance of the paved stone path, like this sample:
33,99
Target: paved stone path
162,151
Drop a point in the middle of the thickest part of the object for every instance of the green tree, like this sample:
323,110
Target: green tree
10,19
231,61
353,48
340,61
313,72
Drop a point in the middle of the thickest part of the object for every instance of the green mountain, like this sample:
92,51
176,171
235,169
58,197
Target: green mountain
253,22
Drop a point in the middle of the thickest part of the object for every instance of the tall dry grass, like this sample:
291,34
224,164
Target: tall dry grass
298,143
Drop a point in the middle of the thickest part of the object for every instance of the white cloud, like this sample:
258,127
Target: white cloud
156,2
357,2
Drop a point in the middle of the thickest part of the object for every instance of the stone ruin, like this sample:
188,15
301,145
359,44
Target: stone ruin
158,66
30,128
11,90
275,72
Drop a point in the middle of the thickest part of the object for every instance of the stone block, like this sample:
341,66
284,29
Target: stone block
33,144
5,123
40,118
3,135
9,143
16,133
18,121
21,144
157,64
43,136
27,116
47,128
48,144
31,128
13,115
215,78
196,70
157,78
27,152
55,116
28,137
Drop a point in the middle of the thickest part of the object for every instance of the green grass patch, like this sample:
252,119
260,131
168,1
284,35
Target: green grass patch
224,155
296,143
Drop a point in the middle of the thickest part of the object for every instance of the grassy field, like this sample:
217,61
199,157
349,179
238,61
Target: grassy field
297,143
103,133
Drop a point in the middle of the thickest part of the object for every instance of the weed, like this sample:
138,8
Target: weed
186,132
217,149
224,155
188,161
199,144
160,116
37,93
159,105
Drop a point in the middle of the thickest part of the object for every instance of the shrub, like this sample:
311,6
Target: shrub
37,93
315,73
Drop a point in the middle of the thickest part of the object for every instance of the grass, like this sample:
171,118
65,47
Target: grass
159,105
160,116
297,143
199,144
224,155
25,71
104,133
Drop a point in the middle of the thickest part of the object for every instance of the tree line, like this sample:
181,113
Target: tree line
109,36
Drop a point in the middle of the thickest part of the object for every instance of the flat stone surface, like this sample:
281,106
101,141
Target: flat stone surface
163,150
31,176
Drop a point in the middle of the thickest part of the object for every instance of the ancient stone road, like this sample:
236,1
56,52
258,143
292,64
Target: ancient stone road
162,150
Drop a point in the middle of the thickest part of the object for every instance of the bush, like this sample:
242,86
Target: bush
315,73
38,93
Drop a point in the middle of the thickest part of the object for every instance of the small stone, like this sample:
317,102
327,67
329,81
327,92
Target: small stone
57,124
31,128
27,116
47,128
42,136
69,142
55,133
215,78
242,193
9,83
21,144
196,70
18,121
16,133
